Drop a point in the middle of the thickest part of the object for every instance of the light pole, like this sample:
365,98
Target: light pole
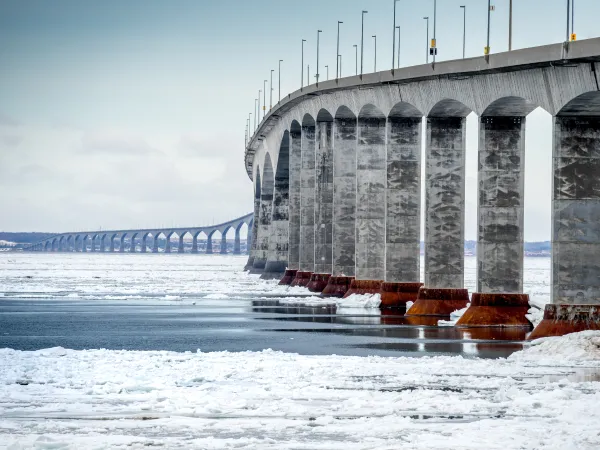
317,75
338,72
356,59
464,8
510,8
375,65
279,79
572,19
487,48
434,42
568,20
362,42
302,66
308,73
256,107
327,67
427,42
265,98
340,65
394,40
271,91
398,28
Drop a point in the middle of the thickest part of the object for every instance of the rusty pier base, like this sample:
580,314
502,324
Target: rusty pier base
364,287
438,302
337,286
395,295
288,277
302,279
496,310
318,281
564,319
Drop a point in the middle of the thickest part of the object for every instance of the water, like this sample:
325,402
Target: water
190,302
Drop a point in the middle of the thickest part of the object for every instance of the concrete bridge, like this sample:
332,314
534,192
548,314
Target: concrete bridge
337,174
115,240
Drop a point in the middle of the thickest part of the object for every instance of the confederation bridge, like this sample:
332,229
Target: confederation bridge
116,240
336,168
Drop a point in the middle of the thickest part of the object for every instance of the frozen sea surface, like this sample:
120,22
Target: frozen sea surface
175,371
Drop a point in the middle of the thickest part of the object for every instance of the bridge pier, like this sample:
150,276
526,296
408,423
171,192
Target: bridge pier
223,244
295,169
122,244
155,243
237,243
112,244
195,243
132,244
209,248
180,248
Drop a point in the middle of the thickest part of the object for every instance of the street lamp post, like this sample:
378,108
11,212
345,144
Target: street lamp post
308,73
256,113
487,48
340,65
302,66
356,59
271,91
427,42
317,75
394,41
362,42
279,79
327,68
398,28
265,97
338,72
464,8
510,9
375,65
434,42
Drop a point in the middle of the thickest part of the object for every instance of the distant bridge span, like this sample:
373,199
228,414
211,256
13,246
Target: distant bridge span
115,240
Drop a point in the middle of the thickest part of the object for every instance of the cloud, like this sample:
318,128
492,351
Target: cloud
11,140
194,146
8,121
119,144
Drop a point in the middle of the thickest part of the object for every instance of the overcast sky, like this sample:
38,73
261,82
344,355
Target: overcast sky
123,114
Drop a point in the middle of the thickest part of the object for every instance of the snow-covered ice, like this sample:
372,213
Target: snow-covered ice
59,398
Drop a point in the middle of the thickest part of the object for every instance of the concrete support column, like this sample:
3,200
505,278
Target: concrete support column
501,205
277,256
83,245
370,198
112,244
445,202
93,244
195,244
264,229
324,198
249,241
344,197
307,200
180,248
122,244
132,244
294,200
209,248
237,243
254,231
102,245
224,244
155,244
576,210
144,248
168,245
403,200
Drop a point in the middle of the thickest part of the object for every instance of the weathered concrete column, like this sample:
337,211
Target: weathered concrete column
249,239
132,243
295,169
576,210
370,199
237,243
144,246
323,194
307,198
344,195
93,244
277,255
403,199
122,244
209,248
112,244
253,232
155,244
195,243
180,248
264,228
501,204
168,244
102,246
445,202
224,244
83,245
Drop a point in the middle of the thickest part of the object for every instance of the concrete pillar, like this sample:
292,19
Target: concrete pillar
155,244
249,241
344,196
501,205
224,243
264,228
209,248
307,200
168,244
102,245
370,198
112,244
576,210
122,244
144,244
132,244
403,200
84,244
277,256
237,244
254,231
445,202
295,169
195,243
324,197
180,248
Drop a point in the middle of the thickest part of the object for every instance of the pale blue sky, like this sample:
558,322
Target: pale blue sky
132,113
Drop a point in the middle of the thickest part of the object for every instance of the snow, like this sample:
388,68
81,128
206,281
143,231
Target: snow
61,398
360,301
